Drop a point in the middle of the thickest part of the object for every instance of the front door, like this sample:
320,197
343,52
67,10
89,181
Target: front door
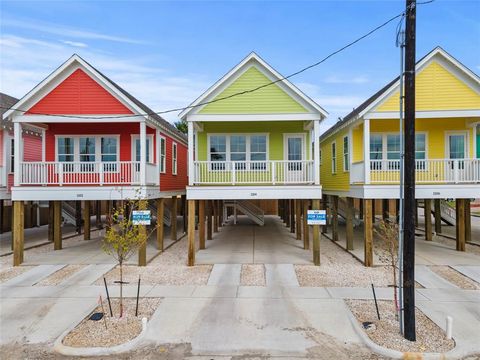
294,149
456,152
136,156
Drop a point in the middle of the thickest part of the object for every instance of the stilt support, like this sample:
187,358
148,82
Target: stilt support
298,218
350,212
438,216
191,233
160,218
460,228
368,232
18,232
201,224
142,250
316,236
209,210
428,219
335,218
468,221
306,232
86,220
173,225
57,225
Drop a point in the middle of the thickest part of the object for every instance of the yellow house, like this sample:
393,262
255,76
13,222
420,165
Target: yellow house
360,155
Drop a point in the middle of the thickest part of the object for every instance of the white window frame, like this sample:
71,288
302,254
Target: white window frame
76,145
447,142
333,146
285,144
134,138
174,158
162,158
346,154
247,144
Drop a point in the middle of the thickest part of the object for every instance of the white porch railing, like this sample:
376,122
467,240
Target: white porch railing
85,173
428,171
253,172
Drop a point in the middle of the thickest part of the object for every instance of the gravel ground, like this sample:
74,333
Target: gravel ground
58,276
455,277
91,333
166,269
430,338
253,275
8,273
469,248
338,268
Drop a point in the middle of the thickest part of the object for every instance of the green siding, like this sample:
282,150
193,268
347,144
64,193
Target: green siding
271,99
275,131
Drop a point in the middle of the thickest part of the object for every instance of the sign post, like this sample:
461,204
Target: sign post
317,217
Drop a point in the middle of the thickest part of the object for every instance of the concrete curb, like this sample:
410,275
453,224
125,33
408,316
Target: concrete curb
96,351
393,354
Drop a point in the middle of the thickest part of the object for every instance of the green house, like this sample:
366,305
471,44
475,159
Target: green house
253,135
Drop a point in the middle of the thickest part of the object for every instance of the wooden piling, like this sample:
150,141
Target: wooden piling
57,225
292,216
428,219
460,222
350,213
160,225
306,232
438,216
368,232
201,224
298,218
316,236
174,213
18,232
385,209
209,211
191,233
86,220
468,221
335,218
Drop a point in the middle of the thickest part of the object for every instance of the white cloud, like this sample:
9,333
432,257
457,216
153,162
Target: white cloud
62,30
25,62
74,43
335,79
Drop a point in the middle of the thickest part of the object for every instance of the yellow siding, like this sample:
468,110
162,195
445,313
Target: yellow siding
436,130
341,179
357,144
437,89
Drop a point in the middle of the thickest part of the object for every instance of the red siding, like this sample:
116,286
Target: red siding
125,130
79,94
32,148
168,181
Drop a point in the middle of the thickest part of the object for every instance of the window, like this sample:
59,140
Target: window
334,158
376,151
218,151
174,158
163,149
258,151
87,149
137,148
108,149
238,151
12,156
346,157
393,152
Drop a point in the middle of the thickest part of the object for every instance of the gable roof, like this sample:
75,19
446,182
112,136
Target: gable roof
388,89
240,68
124,96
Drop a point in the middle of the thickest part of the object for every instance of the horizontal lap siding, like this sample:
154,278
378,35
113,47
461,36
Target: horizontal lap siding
79,94
125,131
340,180
168,181
32,148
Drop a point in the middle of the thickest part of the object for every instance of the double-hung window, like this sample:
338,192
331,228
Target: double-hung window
393,151
218,152
65,152
137,148
238,151
334,158
108,149
163,149
376,152
420,151
174,158
258,152
87,153
346,157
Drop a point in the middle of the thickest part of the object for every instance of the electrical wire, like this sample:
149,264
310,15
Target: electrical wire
343,48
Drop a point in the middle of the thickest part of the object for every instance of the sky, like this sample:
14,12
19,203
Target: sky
168,53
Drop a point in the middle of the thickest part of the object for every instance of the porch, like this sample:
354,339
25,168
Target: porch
431,171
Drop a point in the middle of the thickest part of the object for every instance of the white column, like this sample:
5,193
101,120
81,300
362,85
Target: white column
316,150
43,145
350,153
143,152
190,153
17,138
366,149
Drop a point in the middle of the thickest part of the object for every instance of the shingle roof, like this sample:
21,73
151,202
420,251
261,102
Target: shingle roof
6,101
144,107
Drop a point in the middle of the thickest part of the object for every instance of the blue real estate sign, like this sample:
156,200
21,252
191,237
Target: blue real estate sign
316,217
141,217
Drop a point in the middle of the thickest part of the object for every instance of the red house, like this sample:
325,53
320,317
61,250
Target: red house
100,143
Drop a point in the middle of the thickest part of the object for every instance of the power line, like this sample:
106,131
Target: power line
350,44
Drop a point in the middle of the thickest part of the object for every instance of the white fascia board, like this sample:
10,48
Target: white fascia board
60,74
254,192
74,119
252,117
426,114
39,193
268,70
427,191
444,59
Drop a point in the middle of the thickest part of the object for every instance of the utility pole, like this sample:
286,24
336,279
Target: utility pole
409,176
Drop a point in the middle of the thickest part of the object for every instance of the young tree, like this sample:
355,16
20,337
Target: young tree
123,238
388,231
181,126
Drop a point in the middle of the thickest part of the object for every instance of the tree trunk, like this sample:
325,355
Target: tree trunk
121,289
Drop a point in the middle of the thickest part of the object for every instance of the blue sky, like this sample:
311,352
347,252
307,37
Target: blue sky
168,53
